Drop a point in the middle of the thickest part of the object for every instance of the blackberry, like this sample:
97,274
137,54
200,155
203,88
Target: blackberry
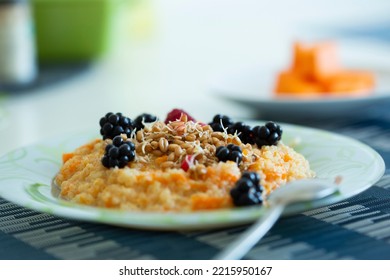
220,122
236,127
222,153
245,132
268,134
119,153
112,125
247,190
230,152
254,177
143,118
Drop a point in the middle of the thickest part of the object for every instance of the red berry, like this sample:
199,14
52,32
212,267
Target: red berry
175,114
187,162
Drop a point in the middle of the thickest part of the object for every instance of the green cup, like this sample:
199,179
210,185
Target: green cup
74,30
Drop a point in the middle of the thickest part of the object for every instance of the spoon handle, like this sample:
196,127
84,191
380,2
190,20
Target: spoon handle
237,249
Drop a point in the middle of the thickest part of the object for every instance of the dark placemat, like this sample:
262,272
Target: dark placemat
357,228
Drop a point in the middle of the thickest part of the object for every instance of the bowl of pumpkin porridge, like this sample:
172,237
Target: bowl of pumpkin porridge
178,164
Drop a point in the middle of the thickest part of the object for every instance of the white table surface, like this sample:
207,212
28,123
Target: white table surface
167,56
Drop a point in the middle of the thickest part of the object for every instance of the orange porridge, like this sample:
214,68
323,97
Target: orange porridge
179,165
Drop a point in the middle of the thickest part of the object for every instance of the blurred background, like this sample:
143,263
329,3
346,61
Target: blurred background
65,63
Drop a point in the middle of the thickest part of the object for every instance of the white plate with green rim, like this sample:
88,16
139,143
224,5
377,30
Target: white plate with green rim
26,175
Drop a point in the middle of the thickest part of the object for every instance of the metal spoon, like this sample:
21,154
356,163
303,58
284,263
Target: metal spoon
294,192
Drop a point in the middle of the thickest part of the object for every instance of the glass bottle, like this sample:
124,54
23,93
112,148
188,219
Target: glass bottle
17,44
